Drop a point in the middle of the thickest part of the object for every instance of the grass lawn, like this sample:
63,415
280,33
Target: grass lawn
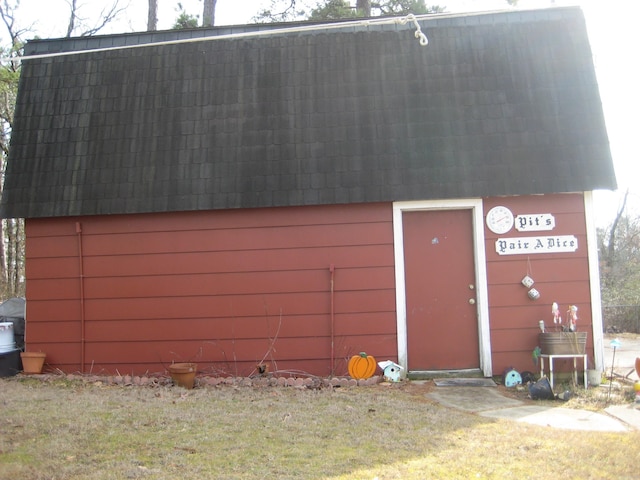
63,429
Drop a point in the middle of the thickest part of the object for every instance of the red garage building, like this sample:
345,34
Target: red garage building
293,195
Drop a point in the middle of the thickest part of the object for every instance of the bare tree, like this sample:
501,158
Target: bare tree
79,26
610,257
12,277
289,10
281,11
72,18
619,251
209,13
13,280
7,11
363,7
152,18
11,229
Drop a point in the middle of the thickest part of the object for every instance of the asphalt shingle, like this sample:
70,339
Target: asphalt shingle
496,104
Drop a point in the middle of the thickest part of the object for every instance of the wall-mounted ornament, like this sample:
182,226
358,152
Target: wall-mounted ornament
528,282
499,219
555,310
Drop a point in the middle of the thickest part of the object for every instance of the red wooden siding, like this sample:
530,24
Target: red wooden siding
213,287
559,277
229,289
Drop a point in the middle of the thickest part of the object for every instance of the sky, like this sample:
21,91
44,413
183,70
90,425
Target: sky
611,27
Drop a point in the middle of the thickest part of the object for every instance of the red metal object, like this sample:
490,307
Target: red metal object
333,368
82,309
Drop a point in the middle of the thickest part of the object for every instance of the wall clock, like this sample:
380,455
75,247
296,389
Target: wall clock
499,219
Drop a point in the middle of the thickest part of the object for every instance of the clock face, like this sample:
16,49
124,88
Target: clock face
499,219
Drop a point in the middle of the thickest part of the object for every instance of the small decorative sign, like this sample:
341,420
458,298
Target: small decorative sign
529,245
535,222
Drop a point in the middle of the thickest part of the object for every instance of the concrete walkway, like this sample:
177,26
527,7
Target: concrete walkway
625,358
488,402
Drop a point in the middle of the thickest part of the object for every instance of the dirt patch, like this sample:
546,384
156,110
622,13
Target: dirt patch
595,399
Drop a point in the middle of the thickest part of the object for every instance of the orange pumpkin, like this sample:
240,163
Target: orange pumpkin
362,366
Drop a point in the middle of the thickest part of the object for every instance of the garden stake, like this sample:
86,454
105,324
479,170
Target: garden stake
615,343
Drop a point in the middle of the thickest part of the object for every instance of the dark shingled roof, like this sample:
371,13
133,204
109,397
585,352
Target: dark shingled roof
497,104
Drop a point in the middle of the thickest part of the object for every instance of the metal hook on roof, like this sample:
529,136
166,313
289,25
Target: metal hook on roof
418,33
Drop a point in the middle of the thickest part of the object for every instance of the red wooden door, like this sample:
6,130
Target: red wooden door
442,326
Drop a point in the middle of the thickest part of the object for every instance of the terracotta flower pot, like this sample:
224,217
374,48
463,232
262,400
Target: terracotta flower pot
183,374
32,362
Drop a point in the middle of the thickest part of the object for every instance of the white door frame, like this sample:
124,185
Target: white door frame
482,298
594,283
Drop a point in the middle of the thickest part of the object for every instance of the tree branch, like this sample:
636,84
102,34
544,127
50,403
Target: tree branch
282,16
7,12
612,247
107,15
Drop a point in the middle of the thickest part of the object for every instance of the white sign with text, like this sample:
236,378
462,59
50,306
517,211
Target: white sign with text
529,245
535,222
